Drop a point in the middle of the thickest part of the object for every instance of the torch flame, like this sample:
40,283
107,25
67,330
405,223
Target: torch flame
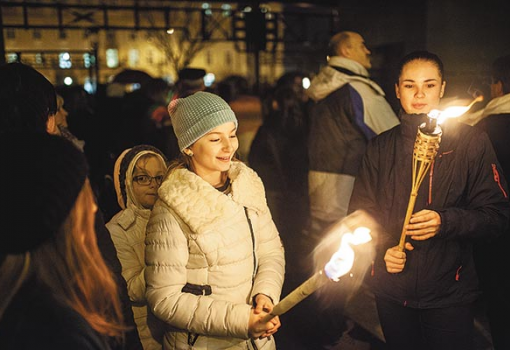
452,112
342,260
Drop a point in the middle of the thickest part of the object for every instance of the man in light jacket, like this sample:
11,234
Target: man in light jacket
349,110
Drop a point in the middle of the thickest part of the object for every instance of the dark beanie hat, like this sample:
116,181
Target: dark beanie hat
27,98
191,73
42,176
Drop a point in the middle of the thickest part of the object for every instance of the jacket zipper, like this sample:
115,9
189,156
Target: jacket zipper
253,244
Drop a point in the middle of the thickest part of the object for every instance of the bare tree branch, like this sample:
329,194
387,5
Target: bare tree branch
188,38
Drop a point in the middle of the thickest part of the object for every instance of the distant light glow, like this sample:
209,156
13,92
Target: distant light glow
209,79
64,60
112,58
305,82
88,86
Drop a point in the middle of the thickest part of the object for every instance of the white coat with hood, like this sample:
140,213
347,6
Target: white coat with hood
127,229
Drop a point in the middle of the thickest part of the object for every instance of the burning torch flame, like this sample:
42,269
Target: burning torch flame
452,112
340,264
342,260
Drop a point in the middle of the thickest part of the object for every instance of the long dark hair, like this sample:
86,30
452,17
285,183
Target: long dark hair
71,266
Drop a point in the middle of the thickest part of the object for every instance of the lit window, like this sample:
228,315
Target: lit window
39,58
64,60
88,60
112,58
226,10
12,57
133,57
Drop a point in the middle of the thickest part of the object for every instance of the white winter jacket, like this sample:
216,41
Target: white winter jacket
127,230
201,236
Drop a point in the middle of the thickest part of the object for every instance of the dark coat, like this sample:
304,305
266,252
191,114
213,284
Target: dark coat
35,319
280,158
463,186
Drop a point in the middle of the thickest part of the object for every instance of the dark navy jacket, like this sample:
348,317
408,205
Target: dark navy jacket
464,186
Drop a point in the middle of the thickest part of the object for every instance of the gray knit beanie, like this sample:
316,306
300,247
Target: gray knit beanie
196,115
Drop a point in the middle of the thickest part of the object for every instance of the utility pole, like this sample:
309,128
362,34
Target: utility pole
255,36
2,42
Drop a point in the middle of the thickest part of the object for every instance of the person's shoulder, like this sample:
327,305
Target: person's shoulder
40,320
387,134
460,130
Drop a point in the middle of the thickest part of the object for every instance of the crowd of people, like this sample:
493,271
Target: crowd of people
156,219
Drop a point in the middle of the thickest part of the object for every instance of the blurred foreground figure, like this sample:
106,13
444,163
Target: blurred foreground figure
28,104
491,258
56,291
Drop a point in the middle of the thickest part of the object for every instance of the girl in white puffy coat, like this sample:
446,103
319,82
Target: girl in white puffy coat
215,261
138,173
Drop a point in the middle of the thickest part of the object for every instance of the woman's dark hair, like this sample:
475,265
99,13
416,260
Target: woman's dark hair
421,56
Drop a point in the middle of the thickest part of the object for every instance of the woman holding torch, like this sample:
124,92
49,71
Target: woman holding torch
425,292
215,261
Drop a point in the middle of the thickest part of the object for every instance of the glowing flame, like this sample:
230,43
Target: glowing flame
342,260
452,112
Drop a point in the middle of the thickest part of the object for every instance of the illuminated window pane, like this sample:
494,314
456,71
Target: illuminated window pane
64,60
12,57
39,58
133,58
88,60
112,58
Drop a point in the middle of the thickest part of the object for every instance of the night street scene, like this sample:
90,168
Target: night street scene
291,175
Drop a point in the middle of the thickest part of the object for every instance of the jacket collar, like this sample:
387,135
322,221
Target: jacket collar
409,124
204,208
329,79
353,66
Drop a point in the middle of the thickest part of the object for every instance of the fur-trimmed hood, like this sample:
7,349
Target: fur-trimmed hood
123,173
